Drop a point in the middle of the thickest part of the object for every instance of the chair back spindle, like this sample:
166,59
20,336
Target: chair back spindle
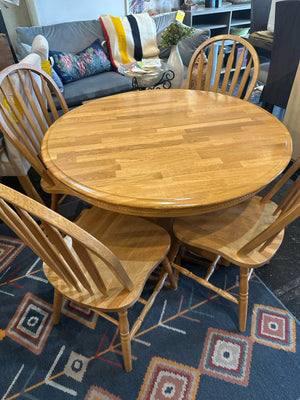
28,109
73,254
287,210
212,68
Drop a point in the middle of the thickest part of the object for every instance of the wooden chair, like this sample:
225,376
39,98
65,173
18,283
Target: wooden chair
221,71
27,109
102,262
247,235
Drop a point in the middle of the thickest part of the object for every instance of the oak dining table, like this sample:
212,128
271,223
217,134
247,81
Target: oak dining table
166,153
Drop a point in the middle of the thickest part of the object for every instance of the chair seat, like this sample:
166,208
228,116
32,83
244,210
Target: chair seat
140,246
226,231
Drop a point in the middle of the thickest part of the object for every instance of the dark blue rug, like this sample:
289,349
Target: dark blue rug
189,346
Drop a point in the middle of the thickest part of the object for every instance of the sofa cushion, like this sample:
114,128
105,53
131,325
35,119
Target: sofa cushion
70,37
90,61
130,38
95,86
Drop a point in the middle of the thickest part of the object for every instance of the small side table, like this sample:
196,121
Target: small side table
154,79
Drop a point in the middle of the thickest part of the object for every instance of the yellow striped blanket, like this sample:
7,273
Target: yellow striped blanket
130,38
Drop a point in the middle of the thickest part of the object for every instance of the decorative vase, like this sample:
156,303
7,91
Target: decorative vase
176,63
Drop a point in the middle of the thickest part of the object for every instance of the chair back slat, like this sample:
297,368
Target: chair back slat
289,199
72,253
209,69
284,178
200,71
287,210
227,74
32,236
49,247
271,232
50,99
41,99
33,104
245,79
219,68
87,260
237,71
16,139
24,118
63,246
27,110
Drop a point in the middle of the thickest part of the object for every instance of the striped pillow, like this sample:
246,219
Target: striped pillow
130,38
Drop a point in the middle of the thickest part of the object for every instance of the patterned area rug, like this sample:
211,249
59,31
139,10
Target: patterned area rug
189,346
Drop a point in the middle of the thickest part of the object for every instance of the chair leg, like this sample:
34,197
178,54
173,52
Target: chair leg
57,304
243,298
125,340
167,266
54,201
175,246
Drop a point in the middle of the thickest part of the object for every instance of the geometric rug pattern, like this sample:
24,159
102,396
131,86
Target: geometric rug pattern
227,356
97,393
9,249
80,313
169,380
273,327
31,324
189,346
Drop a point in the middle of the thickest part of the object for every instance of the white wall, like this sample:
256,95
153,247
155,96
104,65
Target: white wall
47,12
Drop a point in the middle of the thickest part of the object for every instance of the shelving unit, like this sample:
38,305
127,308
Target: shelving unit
219,20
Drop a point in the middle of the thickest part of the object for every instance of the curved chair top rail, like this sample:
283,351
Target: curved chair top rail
234,73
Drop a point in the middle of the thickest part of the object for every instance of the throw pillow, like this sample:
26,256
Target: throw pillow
90,61
55,77
130,38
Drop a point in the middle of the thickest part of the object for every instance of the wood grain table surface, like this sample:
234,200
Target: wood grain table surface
164,153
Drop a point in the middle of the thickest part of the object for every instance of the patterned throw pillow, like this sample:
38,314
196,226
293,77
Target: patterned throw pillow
90,61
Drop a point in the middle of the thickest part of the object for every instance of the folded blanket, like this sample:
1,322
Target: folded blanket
130,38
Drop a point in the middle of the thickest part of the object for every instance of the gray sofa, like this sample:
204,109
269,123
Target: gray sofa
75,36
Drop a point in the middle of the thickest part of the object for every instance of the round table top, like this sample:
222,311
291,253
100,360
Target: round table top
166,152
